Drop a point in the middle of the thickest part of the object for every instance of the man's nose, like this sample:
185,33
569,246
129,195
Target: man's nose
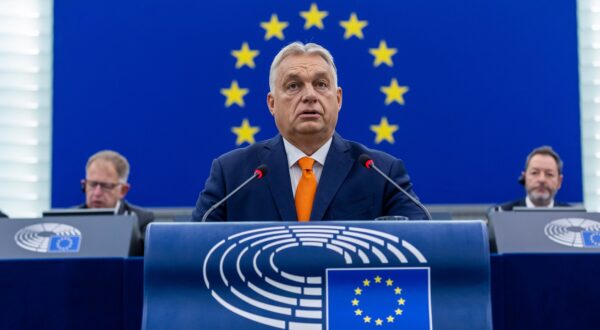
309,94
97,190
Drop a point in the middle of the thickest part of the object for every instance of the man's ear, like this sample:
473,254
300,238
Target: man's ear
271,103
521,179
124,189
339,98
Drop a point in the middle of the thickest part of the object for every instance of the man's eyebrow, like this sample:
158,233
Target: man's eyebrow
291,76
322,74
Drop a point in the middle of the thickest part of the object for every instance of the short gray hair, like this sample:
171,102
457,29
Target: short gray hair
298,48
119,161
547,151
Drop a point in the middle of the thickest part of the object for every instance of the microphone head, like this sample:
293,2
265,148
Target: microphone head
365,161
261,171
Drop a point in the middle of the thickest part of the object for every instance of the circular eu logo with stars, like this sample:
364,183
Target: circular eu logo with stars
258,276
49,237
574,232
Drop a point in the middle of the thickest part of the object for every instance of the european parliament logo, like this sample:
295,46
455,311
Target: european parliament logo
385,298
591,238
64,243
310,277
574,232
49,237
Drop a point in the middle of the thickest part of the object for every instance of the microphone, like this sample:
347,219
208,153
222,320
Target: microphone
367,162
259,173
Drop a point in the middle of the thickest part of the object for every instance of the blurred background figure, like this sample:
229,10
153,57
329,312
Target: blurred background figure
105,186
542,178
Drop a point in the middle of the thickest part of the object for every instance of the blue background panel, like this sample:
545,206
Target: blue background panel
488,81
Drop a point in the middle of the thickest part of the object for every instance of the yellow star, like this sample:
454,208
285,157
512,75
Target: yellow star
384,131
244,56
389,282
366,282
355,302
357,291
399,311
390,319
234,94
394,92
353,27
245,133
378,279
398,291
378,322
367,319
313,17
401,301
358,312
383,54
274,28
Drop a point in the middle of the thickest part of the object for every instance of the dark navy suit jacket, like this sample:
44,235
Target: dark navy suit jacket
346,189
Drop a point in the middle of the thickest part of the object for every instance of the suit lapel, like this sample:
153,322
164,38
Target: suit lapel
337,166
278,177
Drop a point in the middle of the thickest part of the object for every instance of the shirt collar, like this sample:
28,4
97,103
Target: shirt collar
294,154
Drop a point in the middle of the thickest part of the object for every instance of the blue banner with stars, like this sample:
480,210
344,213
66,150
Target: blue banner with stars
392,298
461,91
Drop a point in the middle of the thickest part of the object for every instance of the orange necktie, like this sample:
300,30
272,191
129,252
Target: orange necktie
307,186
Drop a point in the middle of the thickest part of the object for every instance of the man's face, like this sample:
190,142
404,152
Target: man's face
102,186
305,102
542,180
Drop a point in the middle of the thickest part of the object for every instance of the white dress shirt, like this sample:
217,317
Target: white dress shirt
294,154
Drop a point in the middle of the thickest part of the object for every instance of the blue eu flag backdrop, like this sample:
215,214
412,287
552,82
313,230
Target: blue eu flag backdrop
382,298
174,84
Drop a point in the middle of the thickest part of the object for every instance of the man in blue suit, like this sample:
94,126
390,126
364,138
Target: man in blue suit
305,100
542,179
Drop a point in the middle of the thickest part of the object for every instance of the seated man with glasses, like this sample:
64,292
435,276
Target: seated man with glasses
105,186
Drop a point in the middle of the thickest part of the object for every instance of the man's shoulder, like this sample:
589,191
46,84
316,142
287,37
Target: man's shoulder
562,204
241,154
358,149
509,206
138,210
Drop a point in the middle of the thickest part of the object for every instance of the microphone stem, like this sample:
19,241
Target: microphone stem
207,213
414,200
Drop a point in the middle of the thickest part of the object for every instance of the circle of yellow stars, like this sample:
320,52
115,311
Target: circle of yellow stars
368,318
313,18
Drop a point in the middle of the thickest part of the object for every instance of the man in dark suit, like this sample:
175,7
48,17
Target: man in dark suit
542,178
105,186
313,173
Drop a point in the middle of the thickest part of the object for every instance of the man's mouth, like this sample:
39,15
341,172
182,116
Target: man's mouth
309,114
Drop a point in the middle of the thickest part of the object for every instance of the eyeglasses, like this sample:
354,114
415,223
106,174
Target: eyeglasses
105,186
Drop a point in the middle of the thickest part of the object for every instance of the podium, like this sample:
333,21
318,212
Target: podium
70,237
317,275
546,231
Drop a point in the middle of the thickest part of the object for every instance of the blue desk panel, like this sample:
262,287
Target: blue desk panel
529,291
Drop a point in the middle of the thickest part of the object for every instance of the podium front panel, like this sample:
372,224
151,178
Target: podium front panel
317,275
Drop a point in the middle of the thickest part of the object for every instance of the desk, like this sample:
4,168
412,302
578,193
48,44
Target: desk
529,291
